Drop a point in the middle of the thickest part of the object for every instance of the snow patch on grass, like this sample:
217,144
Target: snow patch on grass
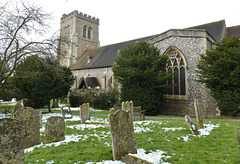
173,129
202,132
154,157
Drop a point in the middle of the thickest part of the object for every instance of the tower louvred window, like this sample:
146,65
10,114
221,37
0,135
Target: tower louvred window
89,33
84,32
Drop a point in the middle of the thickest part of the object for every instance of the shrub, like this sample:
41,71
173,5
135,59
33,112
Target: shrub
105,100
96,99
139,70
76,100
219,70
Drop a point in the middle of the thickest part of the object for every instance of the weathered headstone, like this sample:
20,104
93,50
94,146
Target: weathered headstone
31,125
18,107
122,134
128,106
55,129
84,112
238,137
11,141
66,112
218,112
198,112
191,125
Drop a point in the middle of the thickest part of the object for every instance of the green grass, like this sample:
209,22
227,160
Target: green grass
219,147
5,108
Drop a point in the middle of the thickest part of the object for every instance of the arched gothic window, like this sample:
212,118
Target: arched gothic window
67,31
84,32
176,66
89,33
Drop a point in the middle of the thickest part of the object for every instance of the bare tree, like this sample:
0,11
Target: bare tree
22,26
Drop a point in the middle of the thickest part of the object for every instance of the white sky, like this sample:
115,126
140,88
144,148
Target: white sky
122,20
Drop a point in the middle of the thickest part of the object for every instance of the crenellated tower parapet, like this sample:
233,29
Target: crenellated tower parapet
80,15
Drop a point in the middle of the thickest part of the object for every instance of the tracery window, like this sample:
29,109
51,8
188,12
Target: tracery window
89,33
85,32
176,66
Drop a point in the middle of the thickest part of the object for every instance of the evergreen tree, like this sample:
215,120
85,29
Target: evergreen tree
220,70
41,80
139,70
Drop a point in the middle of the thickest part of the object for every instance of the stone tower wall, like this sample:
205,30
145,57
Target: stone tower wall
77,45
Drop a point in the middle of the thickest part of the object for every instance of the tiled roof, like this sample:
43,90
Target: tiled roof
233,31
216,29
102,57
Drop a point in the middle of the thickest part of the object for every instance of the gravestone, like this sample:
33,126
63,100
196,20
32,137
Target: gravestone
32,120
55,129
11,141
18,107
191,125
122,134
66,112
130,159
218,112
198,113
238,137
84,112
128,106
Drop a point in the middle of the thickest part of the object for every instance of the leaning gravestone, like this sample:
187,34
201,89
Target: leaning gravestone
198,114
66,112
122,134
55,129
84,112
191,125
31,125
11,141
238,137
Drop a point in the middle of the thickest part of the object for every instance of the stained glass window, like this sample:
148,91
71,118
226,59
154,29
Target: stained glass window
177,66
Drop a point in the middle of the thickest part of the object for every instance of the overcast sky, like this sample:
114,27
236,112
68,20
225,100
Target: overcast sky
122,20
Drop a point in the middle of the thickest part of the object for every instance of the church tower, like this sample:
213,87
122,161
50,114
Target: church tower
79,32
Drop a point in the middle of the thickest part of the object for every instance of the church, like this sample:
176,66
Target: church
92,64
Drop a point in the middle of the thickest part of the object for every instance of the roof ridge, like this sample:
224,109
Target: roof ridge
223,20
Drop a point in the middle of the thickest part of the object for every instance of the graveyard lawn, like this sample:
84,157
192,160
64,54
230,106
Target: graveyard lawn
91,142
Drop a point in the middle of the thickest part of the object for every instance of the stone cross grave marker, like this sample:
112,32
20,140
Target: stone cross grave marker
122,134
84,112
11,141
191,125
55,129
238,137
66,112
198,112
32,120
